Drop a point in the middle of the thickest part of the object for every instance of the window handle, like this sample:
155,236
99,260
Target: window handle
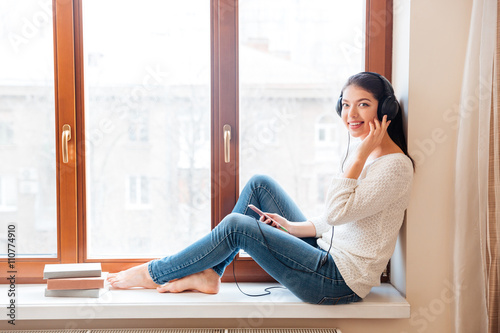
66,136
227,143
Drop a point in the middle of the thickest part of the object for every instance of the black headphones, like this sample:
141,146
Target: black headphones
388,105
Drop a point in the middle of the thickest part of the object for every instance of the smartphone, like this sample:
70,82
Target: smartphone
261,213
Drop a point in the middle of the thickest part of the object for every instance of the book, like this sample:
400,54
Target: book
57,271
76,283
87,293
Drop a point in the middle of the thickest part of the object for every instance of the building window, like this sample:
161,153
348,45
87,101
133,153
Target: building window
138,192
6,134
138,130
8,193
327,129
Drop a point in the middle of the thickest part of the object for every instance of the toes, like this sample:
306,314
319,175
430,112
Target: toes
111,276
163,288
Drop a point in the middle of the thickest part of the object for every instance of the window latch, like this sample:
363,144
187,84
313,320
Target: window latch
66,136
227,143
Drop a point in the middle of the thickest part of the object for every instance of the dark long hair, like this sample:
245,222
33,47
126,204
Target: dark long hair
374,85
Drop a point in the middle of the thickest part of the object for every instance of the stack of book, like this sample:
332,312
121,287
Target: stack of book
74,280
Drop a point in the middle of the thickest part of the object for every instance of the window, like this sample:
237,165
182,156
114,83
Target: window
27,127
291,70
327,130
138,127
153,85
138,192
146,88
8,194
6,134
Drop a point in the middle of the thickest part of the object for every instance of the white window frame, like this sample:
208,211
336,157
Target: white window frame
326,122
8,190
137,203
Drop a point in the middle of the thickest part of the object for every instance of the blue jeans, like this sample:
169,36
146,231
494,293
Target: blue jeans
292,261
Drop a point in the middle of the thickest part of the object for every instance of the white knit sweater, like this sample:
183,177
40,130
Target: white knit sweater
367,214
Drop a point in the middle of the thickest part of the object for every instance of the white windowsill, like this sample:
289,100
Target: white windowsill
31,304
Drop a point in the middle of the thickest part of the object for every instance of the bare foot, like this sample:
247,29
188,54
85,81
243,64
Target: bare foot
137,276
207,282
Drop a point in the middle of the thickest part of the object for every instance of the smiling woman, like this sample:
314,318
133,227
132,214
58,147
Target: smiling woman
368,106
359,110
334,258
366,118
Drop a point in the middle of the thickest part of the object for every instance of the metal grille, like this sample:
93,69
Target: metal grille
186,330
284,330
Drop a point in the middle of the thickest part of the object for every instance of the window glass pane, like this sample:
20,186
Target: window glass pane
27,126
147,125
294,57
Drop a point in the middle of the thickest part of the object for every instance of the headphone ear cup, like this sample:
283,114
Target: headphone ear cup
389,107
338,107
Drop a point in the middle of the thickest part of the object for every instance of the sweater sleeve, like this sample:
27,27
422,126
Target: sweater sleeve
354,199
320,224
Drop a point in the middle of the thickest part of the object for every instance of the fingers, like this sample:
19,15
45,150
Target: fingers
372,126
376,125
270,220
385,122
379,124
266,220
273,216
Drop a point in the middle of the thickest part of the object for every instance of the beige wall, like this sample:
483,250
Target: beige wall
430,39
438,40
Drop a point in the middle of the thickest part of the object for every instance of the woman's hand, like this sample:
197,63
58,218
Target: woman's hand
374,138
276,221
298,229
370,142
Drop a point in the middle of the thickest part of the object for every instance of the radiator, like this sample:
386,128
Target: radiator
188,330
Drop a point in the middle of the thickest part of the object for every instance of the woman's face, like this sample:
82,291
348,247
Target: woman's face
359,108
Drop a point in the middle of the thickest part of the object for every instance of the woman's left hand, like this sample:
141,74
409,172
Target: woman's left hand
276,221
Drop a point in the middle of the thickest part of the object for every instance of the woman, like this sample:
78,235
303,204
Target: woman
332,259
